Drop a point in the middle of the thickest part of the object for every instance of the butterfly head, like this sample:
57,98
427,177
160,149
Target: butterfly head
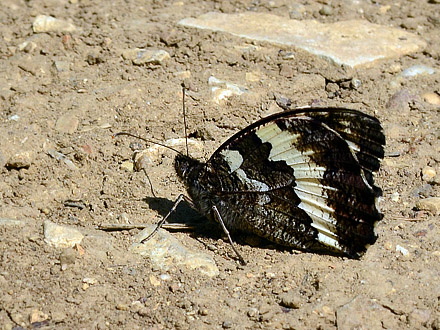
186,167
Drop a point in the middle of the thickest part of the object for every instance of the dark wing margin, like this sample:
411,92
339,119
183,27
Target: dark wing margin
302,178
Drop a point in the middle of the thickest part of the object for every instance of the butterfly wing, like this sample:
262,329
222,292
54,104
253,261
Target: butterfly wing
301,178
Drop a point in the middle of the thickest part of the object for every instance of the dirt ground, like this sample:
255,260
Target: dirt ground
69,92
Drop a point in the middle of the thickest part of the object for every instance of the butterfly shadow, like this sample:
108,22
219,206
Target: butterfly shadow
198,224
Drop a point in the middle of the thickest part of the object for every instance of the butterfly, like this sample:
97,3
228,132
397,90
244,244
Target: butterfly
301,178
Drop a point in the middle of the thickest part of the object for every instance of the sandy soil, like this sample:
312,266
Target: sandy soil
70,92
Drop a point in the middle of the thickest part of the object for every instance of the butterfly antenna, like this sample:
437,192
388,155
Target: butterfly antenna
148,141
184,119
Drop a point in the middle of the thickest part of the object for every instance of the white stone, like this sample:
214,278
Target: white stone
165,251
417,70
43,23
352,43
61,236
221,90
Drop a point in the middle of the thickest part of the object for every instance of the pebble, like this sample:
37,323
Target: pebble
395,196
140,56
428,174
61,236
37,316
417,70
165,251
222,90
326,10
290,300
431,204
67,123
43,23
432,98
297,11
59,156
402,250
22,159
355,83
352,43
62,66
143,158
122,307
154,280
67,257
227,324
127,165
183,74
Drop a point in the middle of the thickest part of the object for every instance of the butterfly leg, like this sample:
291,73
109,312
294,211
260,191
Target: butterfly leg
161,222
220,220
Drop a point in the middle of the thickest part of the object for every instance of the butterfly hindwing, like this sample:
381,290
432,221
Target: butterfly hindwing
300,178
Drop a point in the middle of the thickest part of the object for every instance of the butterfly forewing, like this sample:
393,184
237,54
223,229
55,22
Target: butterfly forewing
301,178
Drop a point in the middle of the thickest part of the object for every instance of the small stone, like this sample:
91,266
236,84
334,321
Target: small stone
297,11
183,74
127,165
62,66
22,159
144,311
355,83
253,76
395,196
122,307
253,312
61,236
222,90
67,123
417,70
431,204
204,312
67,257
388,245
326,10
290,300
90,280
37,316
402,250
154,281
428,174
227,324
146,56
43,23
165,251
432,98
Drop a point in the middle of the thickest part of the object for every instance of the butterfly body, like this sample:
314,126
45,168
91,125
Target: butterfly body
300,178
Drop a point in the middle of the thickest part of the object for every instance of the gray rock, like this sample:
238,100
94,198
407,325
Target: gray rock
61,236
351,43
165,251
